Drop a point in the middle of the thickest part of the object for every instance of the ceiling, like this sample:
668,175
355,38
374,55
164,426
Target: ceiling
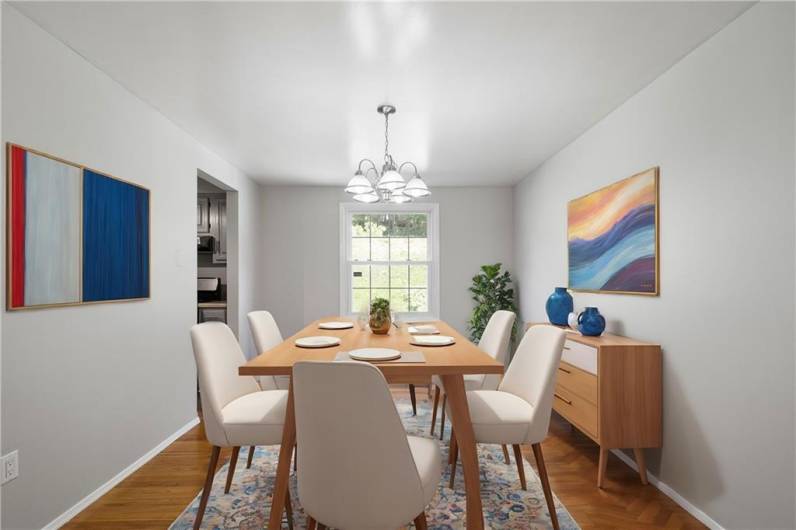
288,92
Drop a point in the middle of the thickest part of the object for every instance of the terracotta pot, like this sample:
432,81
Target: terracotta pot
382,327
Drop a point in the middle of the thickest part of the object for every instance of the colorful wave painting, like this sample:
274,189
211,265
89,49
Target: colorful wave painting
612,237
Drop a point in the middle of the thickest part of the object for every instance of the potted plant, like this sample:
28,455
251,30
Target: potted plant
380,320
491,292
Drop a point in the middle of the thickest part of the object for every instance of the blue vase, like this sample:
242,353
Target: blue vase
559,306
591,322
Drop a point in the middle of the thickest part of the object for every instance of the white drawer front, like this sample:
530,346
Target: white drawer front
580,355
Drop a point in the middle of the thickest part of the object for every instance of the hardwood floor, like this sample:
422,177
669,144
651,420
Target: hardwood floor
157,493
571,460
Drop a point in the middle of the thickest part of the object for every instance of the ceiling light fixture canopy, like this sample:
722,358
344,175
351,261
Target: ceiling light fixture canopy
387,185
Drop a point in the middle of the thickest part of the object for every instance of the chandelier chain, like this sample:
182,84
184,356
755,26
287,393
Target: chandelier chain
386,137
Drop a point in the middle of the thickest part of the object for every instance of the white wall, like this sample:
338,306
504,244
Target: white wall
86,391
301,248
720,126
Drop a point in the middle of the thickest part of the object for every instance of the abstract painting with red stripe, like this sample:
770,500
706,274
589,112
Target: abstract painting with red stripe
68,245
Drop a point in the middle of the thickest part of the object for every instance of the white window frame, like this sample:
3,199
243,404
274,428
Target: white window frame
348,209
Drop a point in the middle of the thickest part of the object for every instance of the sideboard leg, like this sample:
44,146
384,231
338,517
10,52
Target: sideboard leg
642,464
601,466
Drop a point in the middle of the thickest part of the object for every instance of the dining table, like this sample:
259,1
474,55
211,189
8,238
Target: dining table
451,363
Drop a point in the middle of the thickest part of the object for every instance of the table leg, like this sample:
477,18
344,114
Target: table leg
465,440
279,495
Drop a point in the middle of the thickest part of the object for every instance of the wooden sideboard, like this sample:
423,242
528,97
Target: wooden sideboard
609,388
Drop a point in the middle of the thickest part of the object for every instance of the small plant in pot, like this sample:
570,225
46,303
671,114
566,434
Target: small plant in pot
380,320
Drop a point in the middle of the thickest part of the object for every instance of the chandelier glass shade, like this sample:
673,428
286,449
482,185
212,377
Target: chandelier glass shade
391,180
359,184
387,185
369,197
416,188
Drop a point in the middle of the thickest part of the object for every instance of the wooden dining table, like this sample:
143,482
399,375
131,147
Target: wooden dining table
451,363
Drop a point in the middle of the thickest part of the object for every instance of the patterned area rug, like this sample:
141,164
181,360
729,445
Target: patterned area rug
506,505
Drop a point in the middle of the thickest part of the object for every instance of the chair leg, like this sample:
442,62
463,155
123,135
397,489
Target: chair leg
251,457
520,467
453,458
420,522
232,461
289,511
548,494
506,454
211,471
434,410
413,397
442,426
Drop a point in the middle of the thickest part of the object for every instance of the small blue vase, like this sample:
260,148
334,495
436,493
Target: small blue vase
559,306
591,322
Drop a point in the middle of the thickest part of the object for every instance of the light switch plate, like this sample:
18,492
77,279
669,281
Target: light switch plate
10,466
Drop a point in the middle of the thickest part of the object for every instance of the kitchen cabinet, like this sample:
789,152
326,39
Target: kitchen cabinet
218,207
202,216
211,220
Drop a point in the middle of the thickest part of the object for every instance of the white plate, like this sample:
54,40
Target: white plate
432,340
336,325
374,354
423,330
323,341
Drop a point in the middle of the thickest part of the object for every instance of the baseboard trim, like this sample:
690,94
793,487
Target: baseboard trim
667,490
85,502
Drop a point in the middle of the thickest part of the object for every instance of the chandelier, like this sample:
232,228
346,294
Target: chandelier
370,185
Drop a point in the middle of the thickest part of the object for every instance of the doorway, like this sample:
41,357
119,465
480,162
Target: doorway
216,252
211,252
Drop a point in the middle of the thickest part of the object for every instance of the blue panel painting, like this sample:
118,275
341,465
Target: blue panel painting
115,239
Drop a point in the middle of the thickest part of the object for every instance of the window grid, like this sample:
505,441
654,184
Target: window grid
389,264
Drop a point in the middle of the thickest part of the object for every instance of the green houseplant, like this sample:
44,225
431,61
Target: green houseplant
491,291
380,320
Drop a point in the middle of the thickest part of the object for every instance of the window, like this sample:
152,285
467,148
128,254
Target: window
390,251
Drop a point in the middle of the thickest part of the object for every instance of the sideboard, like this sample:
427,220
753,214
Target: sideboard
609,388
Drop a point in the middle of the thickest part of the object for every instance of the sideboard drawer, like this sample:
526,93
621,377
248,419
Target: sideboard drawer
577,410
580,355
578,381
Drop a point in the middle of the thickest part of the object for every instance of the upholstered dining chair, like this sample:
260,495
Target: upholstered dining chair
235,411
495,342
519,410
266,335
359,470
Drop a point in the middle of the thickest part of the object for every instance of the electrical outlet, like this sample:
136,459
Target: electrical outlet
10,467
